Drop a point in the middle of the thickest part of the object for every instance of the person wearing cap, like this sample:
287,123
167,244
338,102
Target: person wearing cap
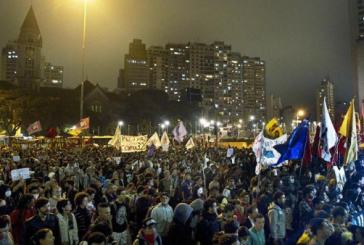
43,219
163,214
147,234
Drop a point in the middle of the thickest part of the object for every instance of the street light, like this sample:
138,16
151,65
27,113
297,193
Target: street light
121,123
167,124
159,129
163,126
128,129
299,113
239,126
254,125
83,58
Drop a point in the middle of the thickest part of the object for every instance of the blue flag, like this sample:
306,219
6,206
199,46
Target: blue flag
294,148
151,152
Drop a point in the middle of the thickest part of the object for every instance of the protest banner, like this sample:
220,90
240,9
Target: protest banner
23,173
133,143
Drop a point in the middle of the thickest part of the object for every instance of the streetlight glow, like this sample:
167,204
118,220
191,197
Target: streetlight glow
121,123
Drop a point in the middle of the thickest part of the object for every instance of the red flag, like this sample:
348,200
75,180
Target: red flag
307,158
83,124
52,133
315,151
35,127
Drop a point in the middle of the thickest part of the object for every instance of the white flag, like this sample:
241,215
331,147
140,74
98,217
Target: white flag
116,140
328,134
270,156
257,149
154,140
190,144
165,141
179,131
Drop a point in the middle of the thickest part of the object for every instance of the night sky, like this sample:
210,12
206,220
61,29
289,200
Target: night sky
301,41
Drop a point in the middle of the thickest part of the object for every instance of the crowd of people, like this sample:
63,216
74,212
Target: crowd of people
178,197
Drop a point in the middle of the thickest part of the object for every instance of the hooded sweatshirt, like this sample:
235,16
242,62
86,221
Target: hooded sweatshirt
179,233
197,206
277,221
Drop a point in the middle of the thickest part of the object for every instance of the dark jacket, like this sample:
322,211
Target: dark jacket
83,219
34,224
179,231
206,227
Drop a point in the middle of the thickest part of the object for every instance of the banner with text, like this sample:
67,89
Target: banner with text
133,143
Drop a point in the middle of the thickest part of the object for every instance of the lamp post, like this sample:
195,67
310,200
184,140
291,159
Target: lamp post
159,129
121,123
163,126
299,113
202,125
239,126
128,129
167,124
83,58
254,125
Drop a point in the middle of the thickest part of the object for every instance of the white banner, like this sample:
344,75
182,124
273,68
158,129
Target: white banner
133,143
23,173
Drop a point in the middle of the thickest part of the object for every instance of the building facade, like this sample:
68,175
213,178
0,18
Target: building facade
136,67
53,76
325,89
22,61
231,84
274,107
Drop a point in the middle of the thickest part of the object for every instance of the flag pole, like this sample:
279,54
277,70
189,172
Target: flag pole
332,160
303,156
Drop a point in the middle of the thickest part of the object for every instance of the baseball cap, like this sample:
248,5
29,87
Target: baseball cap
164,194
148,221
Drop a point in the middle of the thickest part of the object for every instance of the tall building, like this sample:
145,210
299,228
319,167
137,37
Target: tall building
178,70
325,89
22,60
356,18
158,63
341,109
231,85
254,87
136,67
274,107
53,76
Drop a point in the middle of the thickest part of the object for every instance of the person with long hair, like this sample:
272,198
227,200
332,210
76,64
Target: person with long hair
67,222
23,211
43,237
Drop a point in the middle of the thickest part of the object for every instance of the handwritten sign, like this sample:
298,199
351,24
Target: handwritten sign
133,143
16,158
23,173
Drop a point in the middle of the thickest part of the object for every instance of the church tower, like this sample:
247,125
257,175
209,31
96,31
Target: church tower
29,53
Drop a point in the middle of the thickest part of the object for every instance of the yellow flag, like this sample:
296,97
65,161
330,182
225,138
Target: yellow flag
348,129
273,129
74,132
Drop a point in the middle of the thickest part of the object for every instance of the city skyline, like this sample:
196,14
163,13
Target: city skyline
297,46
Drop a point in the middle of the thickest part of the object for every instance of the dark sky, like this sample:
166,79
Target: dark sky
301,41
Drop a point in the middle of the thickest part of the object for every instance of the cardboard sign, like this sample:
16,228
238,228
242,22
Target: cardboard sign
23,173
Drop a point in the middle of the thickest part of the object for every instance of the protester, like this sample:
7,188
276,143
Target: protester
6,237
148,233
43,237
67,222
43,219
